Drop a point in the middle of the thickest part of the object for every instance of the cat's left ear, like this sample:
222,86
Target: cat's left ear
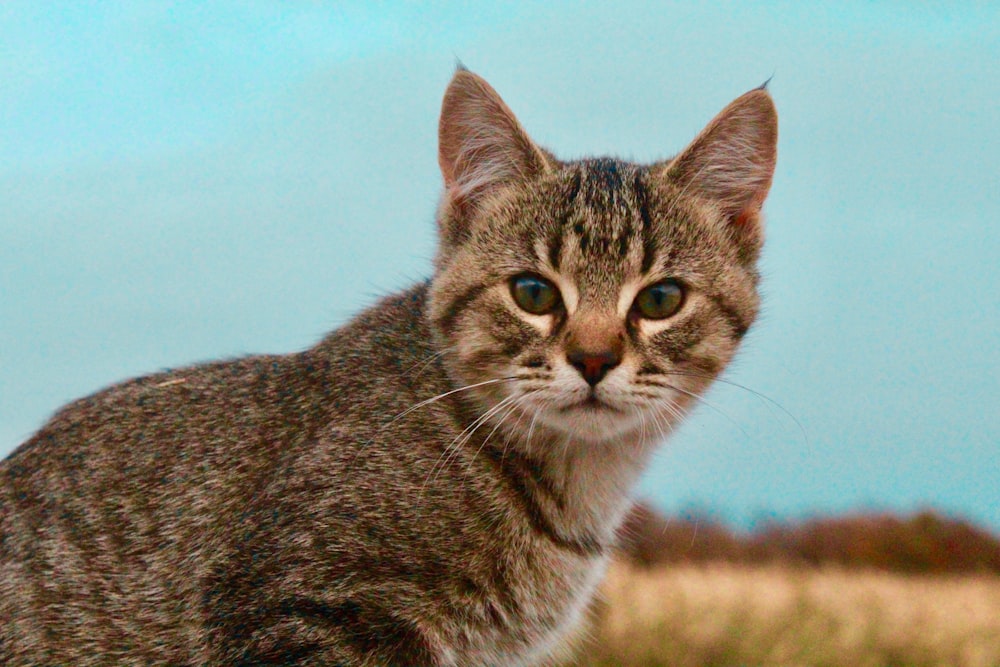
731,163
481,146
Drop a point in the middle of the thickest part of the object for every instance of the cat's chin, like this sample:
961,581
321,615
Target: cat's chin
590,421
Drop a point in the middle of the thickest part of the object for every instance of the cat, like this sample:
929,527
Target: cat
439,481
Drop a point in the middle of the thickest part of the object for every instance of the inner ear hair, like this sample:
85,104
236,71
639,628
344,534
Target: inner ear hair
481,145
731,162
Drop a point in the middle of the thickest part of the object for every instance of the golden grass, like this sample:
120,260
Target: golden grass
715,615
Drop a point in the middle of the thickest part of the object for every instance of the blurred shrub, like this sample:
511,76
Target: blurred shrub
924,542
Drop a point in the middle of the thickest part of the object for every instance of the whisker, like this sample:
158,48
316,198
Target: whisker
712,406
767,400
454,447
510,434
445,395
470,430
673,410
666,427
531,430
430,360
512,407
421,404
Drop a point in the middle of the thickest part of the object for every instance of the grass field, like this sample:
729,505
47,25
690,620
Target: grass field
716,615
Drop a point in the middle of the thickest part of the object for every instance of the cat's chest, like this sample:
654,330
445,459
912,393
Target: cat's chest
548,605
575,593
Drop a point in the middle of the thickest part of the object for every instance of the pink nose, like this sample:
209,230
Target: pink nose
593,366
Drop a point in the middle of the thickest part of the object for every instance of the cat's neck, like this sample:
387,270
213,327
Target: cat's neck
596,479
581,489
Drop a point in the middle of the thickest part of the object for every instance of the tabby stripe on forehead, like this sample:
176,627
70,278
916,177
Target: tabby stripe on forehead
648,245
607,175
527,479
447,320
556,242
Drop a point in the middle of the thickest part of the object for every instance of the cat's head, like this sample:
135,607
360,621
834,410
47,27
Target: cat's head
594,298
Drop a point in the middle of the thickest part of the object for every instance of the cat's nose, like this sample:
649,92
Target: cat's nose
593,366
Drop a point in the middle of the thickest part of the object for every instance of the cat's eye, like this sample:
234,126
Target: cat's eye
534,294
659,301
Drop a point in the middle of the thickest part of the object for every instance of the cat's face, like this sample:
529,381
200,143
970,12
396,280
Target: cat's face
594,298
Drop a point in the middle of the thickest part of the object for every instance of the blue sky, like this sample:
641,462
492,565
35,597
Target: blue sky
186,181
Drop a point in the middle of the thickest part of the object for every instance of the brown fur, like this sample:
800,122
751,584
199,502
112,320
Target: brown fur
434,483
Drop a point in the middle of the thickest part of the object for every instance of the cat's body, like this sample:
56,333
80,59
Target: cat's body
436,483
227,528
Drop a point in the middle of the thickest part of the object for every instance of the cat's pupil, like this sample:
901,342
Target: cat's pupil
659,301
534,294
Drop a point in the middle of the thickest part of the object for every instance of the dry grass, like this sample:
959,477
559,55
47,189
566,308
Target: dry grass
715,615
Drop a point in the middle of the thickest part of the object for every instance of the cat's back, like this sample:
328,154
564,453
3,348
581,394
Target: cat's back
187,427
132,494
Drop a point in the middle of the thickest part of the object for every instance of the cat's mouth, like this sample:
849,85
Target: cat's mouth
591,404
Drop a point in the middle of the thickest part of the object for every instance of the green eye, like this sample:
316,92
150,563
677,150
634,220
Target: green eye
534,294
659,301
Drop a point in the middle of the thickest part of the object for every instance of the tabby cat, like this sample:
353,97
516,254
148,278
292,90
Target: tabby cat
439,481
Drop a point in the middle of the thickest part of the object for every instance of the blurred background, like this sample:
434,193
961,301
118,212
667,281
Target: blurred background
188,181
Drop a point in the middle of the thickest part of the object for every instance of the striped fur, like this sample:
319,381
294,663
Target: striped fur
435,483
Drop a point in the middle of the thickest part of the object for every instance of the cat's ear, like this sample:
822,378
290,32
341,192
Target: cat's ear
731,162
481,146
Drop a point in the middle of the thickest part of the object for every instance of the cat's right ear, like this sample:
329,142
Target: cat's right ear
481,146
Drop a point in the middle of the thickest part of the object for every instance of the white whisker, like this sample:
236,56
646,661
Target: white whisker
513,405
707,403
452,449
764,398
421,404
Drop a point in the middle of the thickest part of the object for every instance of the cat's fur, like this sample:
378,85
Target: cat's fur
435,483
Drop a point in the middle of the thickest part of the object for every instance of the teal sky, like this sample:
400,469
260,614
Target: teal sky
188,181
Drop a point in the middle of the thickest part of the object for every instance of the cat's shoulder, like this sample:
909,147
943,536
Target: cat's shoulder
157,400
377,347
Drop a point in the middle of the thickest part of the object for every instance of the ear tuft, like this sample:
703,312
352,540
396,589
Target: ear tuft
481,146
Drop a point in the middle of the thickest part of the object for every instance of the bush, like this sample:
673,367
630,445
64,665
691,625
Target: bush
924,542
